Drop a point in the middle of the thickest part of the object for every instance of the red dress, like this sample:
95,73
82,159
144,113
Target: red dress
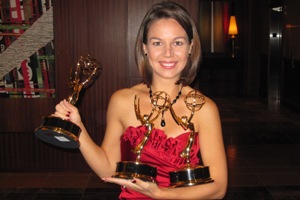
159,151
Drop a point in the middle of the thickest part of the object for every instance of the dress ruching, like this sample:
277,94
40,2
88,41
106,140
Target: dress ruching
160,151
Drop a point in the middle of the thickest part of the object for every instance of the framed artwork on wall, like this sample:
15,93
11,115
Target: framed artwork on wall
26,49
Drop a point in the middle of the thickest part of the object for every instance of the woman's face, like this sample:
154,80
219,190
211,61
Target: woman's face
167,48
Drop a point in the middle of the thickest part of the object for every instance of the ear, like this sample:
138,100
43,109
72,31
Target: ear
145,48
191,47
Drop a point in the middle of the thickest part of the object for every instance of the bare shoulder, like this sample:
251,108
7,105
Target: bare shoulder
208,103
208,110
122,101
207,119
121,105
123,96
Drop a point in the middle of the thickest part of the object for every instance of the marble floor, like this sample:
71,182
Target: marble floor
263,151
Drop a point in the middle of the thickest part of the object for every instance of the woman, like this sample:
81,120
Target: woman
167,54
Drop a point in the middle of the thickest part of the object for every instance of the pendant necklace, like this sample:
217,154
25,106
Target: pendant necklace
163,122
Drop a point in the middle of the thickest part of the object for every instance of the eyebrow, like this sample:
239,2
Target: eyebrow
176,38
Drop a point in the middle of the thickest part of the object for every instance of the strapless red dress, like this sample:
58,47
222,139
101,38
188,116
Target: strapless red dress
159,151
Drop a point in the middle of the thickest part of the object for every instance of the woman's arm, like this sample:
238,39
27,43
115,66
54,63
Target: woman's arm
102,159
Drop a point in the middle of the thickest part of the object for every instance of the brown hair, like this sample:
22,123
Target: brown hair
162,10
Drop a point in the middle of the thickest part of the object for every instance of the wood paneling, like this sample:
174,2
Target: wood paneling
99,28
23,115
21,151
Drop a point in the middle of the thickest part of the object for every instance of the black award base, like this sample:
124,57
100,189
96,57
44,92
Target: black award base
190,176
58,132
130,170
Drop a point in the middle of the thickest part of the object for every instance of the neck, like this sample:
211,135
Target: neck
172,91
172,100
157,97
168,86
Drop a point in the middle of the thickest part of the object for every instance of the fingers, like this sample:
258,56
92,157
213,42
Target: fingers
141,185
144,187
135,183
125,183
63,110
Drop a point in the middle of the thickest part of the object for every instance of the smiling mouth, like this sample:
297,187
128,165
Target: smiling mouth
168,64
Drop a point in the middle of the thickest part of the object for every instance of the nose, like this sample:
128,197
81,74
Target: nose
168,51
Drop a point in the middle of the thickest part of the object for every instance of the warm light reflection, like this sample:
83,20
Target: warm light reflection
233,30
231,152
292,26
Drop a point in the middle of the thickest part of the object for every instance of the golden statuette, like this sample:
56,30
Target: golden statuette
57,131
190,174
136,169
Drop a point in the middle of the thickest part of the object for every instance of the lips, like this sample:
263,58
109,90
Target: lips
168,65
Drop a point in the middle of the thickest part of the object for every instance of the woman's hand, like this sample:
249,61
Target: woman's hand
149,189
67,111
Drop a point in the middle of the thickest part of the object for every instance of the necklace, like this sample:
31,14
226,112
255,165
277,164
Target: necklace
163,122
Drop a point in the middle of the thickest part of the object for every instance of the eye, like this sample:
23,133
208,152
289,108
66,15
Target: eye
157,43
178,43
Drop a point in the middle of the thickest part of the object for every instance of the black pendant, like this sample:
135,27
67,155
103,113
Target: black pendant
163,123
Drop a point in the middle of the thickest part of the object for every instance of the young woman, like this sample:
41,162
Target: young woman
167,55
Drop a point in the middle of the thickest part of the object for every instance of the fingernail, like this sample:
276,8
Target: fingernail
68,115
133,181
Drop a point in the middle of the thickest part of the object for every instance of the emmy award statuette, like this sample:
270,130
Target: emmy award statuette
136,169
60,132
190,174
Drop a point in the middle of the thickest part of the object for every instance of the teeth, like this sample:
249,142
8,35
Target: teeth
168,64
